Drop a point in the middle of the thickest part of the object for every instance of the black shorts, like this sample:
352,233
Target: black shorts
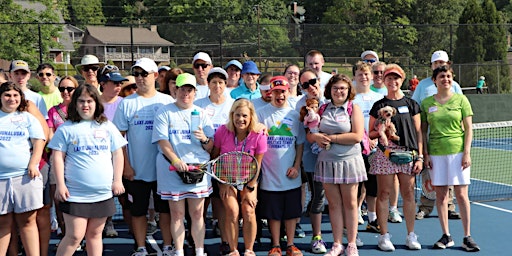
45,172
317,200
371,183
280,205
138,194
100,209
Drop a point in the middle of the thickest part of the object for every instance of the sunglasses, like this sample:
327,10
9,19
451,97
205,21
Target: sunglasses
203,65
370,61
131,86
69,89
143,74
378,72
44,74
109,68
306,84
93,68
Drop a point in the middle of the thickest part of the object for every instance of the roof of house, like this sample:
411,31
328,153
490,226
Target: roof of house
121,36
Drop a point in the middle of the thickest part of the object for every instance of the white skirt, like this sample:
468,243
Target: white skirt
447,171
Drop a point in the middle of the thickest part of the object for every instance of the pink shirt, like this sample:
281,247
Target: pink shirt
254,144
54,119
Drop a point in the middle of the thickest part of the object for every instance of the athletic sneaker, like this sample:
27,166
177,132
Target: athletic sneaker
54,224
469,244
318,245
421,214
168,251
360,219
394,216
412,242
351,250
275,251
445,241
224,248
292,250
151,228
385,243
359,242
373,226
453,215
140,252
299,233
336,250
234,253
110,231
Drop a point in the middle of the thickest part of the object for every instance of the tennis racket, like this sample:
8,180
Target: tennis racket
234,168
427,190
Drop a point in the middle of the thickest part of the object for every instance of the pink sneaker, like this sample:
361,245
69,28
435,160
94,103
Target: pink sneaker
336,250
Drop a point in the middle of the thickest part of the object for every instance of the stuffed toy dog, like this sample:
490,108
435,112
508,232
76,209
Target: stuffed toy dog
386,128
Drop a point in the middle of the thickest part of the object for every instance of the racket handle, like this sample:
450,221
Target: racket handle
190,168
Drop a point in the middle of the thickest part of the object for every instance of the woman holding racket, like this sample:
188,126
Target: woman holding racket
341,167
240,134
172,131
447,117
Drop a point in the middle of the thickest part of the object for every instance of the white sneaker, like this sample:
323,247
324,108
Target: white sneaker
360,220
385,243
110,231
394,216
168,251
54,225
359,242
412,242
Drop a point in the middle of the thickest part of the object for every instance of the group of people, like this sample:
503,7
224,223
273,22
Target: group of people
101,145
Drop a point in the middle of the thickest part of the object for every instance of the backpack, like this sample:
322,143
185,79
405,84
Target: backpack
365,143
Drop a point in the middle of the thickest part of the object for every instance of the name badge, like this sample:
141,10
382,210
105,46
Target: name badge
100,134
210,111
341,119
17,119
403,109
432,109
367,98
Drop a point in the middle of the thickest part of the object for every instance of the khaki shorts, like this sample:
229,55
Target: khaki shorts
21,194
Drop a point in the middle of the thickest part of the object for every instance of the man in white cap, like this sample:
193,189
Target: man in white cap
315,61
134,118
202,63
424,89
89,67
369,57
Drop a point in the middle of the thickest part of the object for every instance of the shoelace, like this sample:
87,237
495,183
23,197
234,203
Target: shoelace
320,241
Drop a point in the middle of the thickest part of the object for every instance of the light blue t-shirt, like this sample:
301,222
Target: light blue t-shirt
38,101
285,131
219,114
88,169
259,103
16,130
365,102
135,115
173,124
427,88
243,92
202,91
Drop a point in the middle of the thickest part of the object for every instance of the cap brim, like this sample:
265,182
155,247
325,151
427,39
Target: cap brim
284,88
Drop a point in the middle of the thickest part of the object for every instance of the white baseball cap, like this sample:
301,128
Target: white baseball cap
146,64
202,56
439,55
374,54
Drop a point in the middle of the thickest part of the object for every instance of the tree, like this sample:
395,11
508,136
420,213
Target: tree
19,40
494,33
83,13
469,46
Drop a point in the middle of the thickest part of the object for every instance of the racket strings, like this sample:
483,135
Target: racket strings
235,168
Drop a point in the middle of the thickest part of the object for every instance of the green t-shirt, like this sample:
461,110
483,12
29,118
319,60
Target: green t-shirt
446,135
51,99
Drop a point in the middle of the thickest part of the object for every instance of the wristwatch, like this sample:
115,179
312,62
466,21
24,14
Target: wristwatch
206,141
251,189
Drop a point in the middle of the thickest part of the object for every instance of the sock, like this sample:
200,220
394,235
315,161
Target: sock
393,208
372,216
141,248
180,252
199,251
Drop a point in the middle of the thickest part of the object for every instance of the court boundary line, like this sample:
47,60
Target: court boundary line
154,245
492,182
493,207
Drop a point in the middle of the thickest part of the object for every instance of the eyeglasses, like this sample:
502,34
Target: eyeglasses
44,74
306,84
143,74
370,60
378,72
335,89
93,68
69,89
131,86
109,68
203,65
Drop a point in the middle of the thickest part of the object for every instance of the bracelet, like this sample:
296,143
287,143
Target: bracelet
175,161
206,141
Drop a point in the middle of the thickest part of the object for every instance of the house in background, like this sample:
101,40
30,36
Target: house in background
115,44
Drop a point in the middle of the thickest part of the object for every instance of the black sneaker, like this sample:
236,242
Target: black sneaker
445,241
373,226
453,215
224,248
469,244
299,233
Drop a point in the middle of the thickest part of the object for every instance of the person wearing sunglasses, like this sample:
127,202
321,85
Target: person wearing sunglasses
89,68
134,118
369,57
378,78
49,92
202,63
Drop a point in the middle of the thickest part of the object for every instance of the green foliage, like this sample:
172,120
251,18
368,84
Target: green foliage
470,39
84,13
63,69
19,39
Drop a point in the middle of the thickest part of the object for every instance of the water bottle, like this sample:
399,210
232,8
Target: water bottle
195,120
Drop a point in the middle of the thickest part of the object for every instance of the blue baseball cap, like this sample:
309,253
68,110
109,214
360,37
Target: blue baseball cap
235,63
250,67
113,76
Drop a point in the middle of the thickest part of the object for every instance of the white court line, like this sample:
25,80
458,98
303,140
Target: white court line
154,245
493,207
